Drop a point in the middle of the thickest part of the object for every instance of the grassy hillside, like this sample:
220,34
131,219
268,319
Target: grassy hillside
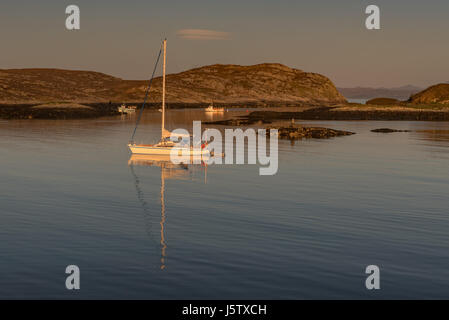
219,83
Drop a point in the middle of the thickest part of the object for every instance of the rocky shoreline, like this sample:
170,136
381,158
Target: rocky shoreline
310,112
103,109
379,114
338,113
74,110
69,111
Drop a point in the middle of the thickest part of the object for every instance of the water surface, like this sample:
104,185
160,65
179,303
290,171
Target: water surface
70,195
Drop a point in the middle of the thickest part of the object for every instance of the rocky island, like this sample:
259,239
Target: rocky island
67,94
431,104
295,132
269,84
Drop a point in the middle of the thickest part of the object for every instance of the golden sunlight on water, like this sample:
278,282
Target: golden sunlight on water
168,171
149,229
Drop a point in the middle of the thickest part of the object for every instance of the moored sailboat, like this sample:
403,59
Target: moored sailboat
165,145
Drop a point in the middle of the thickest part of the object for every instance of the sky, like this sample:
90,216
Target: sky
122,38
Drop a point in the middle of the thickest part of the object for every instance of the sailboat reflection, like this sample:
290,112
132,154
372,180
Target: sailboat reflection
169,170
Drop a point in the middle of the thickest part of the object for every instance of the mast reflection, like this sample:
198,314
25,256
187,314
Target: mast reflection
169,170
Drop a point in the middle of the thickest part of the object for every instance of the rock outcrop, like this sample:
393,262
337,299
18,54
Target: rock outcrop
299,132
388,130
437,94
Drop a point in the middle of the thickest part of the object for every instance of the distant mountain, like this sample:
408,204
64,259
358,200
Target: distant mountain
435,94
264,83
400,93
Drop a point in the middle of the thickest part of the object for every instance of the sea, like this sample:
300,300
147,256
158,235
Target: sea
72,194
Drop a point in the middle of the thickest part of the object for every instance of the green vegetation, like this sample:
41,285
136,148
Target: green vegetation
384,101
402,105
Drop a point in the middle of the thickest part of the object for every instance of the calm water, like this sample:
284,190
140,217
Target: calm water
69,196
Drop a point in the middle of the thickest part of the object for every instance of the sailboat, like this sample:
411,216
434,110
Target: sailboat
165,145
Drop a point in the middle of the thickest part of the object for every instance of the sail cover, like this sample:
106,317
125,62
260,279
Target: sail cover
167,134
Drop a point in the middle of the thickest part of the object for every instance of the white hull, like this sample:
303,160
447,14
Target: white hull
211,108
127,110
214,110
142,149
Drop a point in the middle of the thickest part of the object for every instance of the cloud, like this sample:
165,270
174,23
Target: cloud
202,34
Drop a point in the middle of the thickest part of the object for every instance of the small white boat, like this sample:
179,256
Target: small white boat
211,108
126,109
165,145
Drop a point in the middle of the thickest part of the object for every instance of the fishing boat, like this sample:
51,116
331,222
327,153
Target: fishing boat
165,145
211,108
126,109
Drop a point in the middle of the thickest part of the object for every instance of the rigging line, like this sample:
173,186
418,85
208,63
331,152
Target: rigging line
146,96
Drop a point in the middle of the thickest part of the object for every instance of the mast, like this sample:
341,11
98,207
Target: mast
163,89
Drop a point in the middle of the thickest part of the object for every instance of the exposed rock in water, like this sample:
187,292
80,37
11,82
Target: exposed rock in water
298,133
388,130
